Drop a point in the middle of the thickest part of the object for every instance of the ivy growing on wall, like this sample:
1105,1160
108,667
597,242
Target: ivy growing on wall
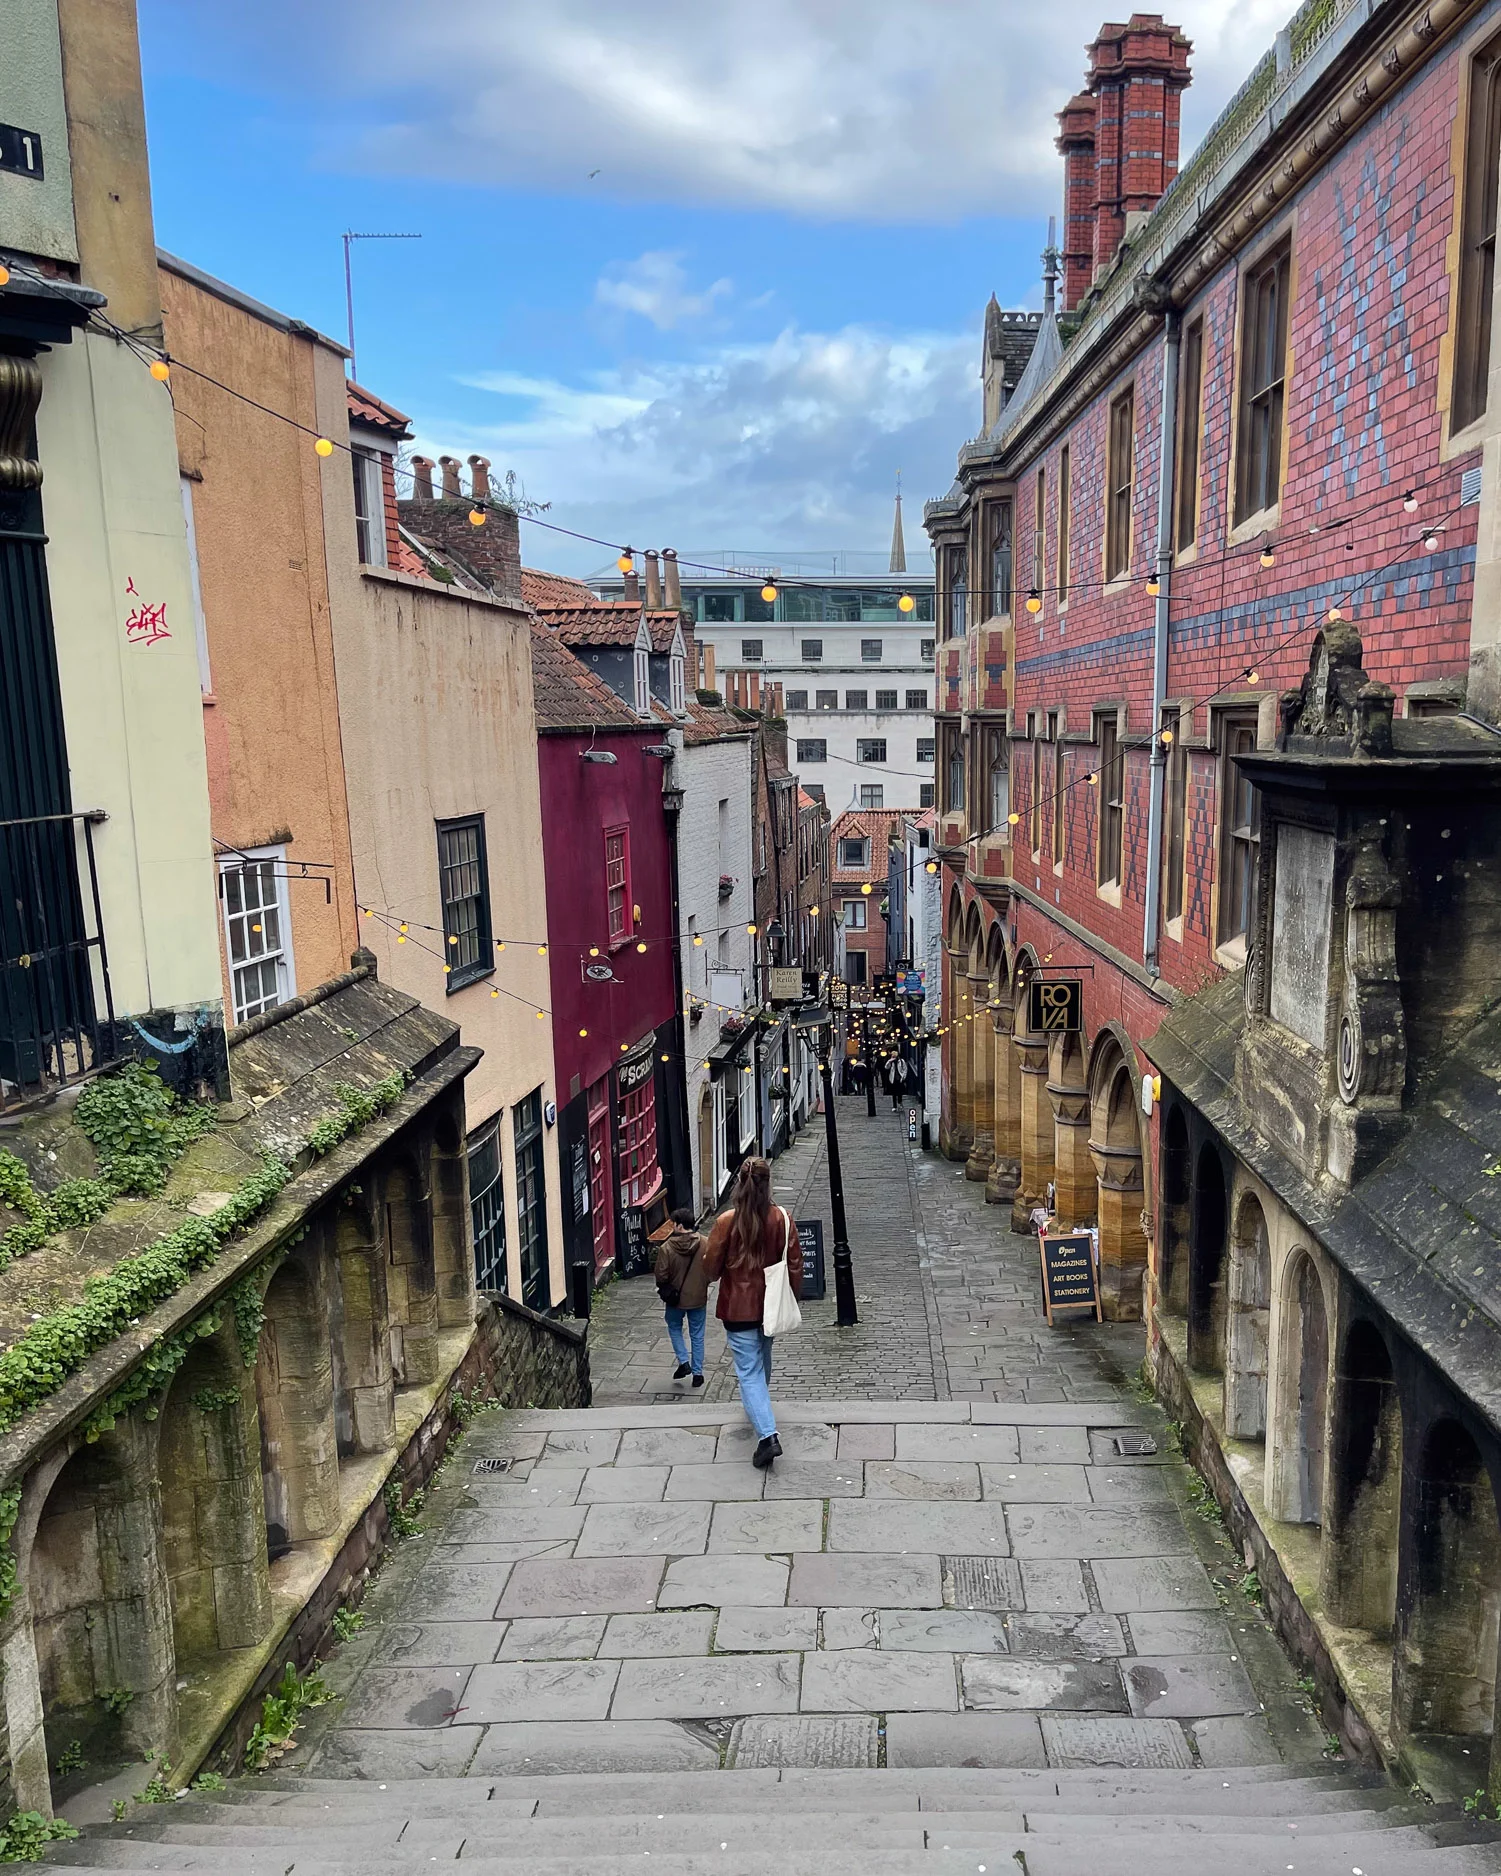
357,1108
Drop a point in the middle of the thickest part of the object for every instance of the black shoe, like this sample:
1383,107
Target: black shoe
698,1380
765,1453
776,1446
682,1371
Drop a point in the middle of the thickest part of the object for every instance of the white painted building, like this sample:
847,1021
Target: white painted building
712,767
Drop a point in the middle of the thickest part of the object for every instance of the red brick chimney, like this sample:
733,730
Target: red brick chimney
1076,136
1137,76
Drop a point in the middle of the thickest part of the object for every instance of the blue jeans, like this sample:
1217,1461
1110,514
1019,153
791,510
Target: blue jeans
695,1321
751,1350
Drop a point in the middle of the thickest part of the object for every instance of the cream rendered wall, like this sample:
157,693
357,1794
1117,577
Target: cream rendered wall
131,710
36,216
435,708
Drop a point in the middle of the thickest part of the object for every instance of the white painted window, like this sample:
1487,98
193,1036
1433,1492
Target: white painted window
675,685
257,930
643,682
747,1110
721,1162
369,507
200,623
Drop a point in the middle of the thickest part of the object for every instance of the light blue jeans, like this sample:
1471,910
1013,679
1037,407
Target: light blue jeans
751,1350
695,1321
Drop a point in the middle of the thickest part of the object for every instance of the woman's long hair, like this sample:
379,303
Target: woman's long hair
752,1211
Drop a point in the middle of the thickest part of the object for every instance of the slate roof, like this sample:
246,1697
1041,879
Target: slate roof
1421,1232
567,695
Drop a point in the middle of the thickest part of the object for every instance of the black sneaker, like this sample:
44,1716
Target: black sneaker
682,1371
776,1446
765,1453
698,1380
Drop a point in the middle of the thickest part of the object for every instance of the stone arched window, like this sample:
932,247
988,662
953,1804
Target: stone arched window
1115,1147
411,1280
1177,1186
1302,1392
1248,1322
1358,1579
1206,1268
294,1387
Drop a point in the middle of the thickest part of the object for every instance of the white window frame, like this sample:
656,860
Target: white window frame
873,796
281,958
642,682
675,685
747,1119
367,467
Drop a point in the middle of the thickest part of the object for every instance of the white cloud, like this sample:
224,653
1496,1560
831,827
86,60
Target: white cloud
655,286
879,109
794,443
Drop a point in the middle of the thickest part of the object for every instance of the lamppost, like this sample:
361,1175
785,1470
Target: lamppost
846,1314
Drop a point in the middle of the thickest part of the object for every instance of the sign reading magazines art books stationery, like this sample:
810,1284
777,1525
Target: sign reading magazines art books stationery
1068,1274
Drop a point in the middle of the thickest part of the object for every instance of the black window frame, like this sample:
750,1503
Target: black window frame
812,749
812,651
1240,827
886,699
926,795
487,1209
461,967
531,1198
844,862
826,700
1190,429
871,650
1111,782
1175,818
917,700
857,700
927,749
870,749
797,700
750,656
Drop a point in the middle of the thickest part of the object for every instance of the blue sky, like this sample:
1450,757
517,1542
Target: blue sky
764,305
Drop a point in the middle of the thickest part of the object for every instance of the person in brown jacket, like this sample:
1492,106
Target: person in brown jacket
683,1285
745,1239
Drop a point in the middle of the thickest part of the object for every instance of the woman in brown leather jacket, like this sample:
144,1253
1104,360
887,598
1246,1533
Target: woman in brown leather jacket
745,1239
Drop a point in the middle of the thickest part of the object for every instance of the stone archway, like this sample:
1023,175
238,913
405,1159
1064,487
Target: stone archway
453,1257
1005,1170
1073,1169
1115,1147
957,1128
294,1387
1206,1266
411,1280
1248,1322
213,1515
981,1049
364,1389
1449,1599
1036,1108
1302,1393
1358,1576
100,1609
1177,1194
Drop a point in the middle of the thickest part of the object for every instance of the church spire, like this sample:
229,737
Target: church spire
898,545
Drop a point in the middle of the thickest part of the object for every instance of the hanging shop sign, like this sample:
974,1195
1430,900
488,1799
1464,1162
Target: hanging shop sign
1069,1280
631,1074
1055,1006
786,984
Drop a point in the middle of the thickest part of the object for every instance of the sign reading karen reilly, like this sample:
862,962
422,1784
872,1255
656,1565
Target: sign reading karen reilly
1068,1274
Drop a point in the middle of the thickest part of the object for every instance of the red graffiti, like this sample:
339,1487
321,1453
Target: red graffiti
145,625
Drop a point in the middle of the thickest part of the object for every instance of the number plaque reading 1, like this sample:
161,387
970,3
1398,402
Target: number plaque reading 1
1068,1275
21,151
1055,1006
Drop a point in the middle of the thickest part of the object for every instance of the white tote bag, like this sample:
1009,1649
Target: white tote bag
780,1312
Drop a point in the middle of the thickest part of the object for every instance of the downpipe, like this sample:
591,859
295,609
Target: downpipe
1166,502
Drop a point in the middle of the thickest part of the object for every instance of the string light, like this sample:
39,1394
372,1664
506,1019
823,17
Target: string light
1167,739
541,951
583,1032
627,561
812,911
323,447
906,603
1014,819
1268,558
1430,542
1253,677
1091,778
454,939
641,946
594,951
4,274
865,888
931,867
493,995
750,931
1410,501
768,592
541,1014
1034,601
698,937
476,517
160,369
1335,615
1154,586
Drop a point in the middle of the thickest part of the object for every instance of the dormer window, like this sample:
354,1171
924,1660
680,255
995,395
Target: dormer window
369,507
643,681
675,684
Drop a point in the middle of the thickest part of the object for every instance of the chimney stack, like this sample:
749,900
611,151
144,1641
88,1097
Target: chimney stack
479,472
1076,141
1137,76
653,581
633,582
422,478
673,587
450,467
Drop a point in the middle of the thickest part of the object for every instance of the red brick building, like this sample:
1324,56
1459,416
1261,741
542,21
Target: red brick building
1260,405
859,858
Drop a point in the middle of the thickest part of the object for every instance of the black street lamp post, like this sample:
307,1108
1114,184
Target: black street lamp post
846,1315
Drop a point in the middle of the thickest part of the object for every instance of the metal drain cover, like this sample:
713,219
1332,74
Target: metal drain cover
1134,1445
485,1466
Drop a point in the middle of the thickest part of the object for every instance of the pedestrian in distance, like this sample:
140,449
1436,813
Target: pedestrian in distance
747,1242
683,1285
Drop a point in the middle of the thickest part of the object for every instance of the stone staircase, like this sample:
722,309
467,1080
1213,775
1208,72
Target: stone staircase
1235,1821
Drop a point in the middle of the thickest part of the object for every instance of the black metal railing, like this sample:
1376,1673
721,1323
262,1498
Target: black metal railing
57,1017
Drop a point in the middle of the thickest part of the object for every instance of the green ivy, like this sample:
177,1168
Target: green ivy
247,1302
16,1189
25,1834
214,1400
10,1510
357,1108
138,1127
152,1376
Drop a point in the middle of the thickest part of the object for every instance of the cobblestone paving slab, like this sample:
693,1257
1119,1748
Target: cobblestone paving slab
837,1740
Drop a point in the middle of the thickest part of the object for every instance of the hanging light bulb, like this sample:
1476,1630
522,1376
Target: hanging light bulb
4,274
366,910
768,592
1014,819
812,911
583,1032
476,517
594,951
160,370
500,944
866,889
541,1014
1034,601
1430,543
698,937
627,561
454,939
931,867
1268,558
624,1047
642,945
1410,501
541,951
493,995
1335,615
323,447
750,931
1253,677
1167,739
1091,778
906,603
1154,586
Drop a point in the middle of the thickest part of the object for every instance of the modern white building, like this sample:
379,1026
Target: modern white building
852,652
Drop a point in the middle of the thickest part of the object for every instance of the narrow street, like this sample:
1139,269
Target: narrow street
975,1552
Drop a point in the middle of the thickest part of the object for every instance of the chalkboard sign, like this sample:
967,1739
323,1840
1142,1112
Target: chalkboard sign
1068,1274
810,1237
633,1254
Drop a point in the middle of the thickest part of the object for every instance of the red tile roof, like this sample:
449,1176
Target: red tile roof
873,824
540,590
366,407
568,695
706,724
609,622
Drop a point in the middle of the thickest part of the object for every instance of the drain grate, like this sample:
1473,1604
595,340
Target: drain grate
1134,1445
982,1583
486,1467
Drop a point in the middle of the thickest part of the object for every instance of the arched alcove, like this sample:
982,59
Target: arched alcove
1248,1323
1449,1601
1206,1269
1358,1578
295,1390
1177,1192
1036,1107
364,1389
981,1036
1073,1168
1115,1145
411,1281
1005,1171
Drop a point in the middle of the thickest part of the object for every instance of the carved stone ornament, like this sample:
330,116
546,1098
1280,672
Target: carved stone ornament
1372,1037
20,393
1337,709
